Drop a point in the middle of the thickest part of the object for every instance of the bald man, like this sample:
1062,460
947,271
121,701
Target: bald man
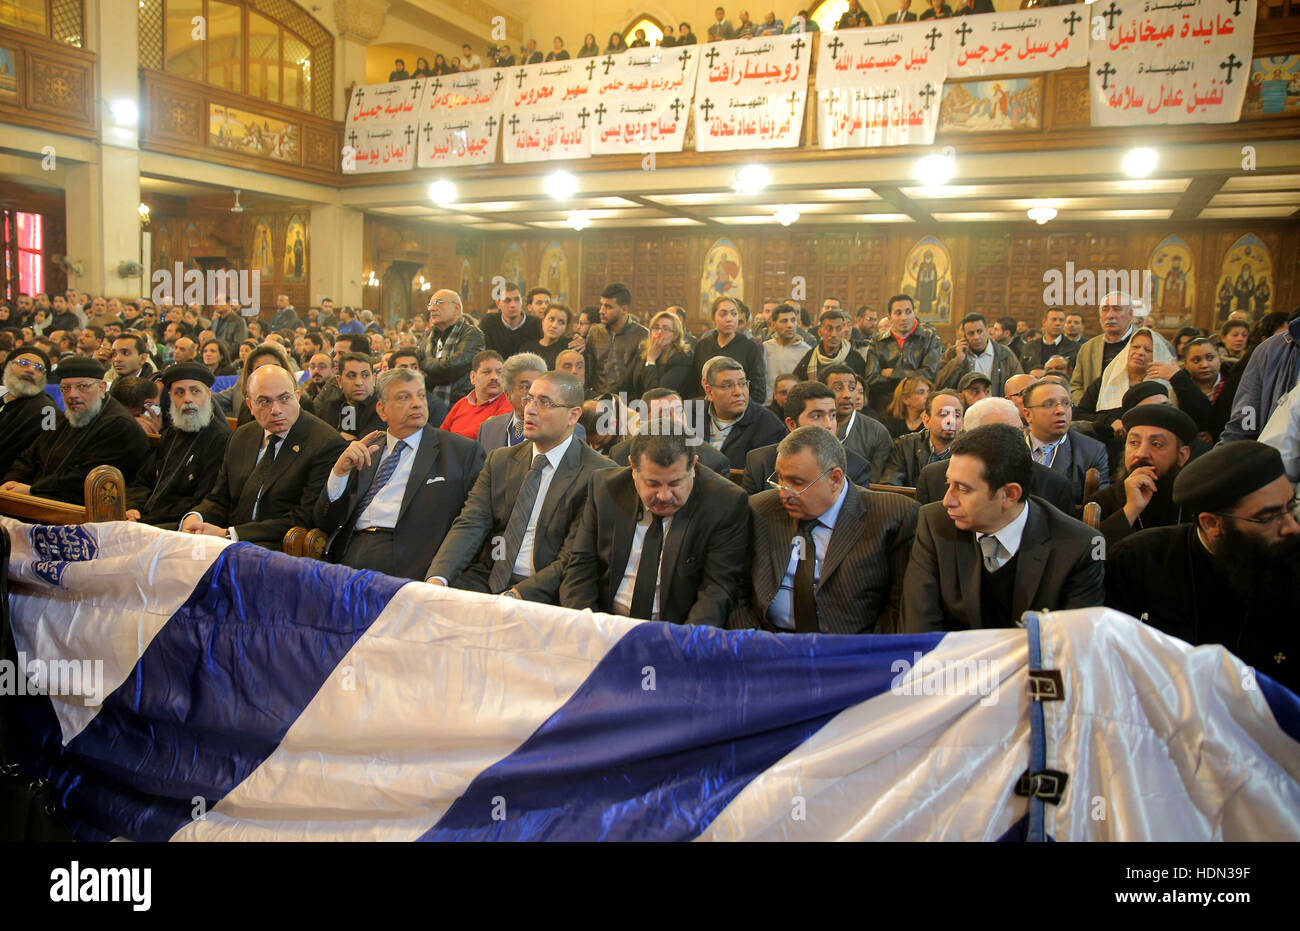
1012,390
274,468
184,350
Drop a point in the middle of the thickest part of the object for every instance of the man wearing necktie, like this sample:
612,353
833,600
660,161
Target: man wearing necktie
989,552
1053,444
517,376
828,556
661,540
274,467
509,537
392,496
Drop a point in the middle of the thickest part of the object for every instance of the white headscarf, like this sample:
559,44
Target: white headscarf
1114,381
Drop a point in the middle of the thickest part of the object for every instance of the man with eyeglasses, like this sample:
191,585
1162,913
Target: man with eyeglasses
1051,441
273,470
1014,391
95,430
510,534
453,343
1228,576
734,424
660,540
25,407
518,374
808,404
828,556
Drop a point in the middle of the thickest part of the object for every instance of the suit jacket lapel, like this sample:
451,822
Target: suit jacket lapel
847,526
425,457
624,530
673,541
966,568
289,450
366,475
784,527
1030,562
570,466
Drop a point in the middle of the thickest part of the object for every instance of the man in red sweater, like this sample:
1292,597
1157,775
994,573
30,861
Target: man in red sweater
486,399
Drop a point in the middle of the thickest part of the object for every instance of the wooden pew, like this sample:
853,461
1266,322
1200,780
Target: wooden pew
896,489
234,423
299,541
105,491
737,476
1091,483
1092,514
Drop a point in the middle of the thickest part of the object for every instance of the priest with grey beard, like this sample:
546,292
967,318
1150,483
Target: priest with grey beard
180,472
25,408
95,430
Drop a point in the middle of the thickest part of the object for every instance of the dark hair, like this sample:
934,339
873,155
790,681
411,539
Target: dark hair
901,297
1199,341
1009,324
131,392
796,402
591,312
141,346
358,342
780,309
222,349
1227,325
484,356
618,293
663,449
972,318
839,368
658,394
98,331
1002,449
315,339
533,292
863,310
833,314
398,353
1028,393
354,357
509,286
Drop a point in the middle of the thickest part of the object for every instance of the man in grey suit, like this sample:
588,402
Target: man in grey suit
662,540
1051,441
987,553
517,376
860,433
528,498
828,556
392,495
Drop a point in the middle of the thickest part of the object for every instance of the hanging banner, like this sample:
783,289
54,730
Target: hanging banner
750,93
1019,42
896,114
468,137
538,135
645,96
385,147
376,104
1183,62
464,91
552,84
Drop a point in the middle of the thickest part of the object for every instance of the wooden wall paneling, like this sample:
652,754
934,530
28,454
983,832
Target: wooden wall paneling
989,255
836,251
869,271
773,268
673,273
803,263
647,283
1027,260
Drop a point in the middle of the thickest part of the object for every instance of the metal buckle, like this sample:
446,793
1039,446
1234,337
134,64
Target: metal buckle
1046,685
1047,784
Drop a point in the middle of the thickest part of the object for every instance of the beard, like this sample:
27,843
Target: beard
1255,568
82,418
19,388
191,423
1161,510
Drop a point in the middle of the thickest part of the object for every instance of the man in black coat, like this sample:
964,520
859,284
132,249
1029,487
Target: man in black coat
986,553
912,452
809,404
662,540
95,430
1227,577
26,409
352,410
734,424
391,514
274,468
182,469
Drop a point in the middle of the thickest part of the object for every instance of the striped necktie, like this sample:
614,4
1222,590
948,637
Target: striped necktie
386,470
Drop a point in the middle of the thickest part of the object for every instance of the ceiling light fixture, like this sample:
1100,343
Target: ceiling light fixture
442,193
936,170
561,185
786,215
1042,213
579,220
1138,163
751,179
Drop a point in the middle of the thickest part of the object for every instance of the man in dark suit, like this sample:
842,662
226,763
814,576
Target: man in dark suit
986,553
661,540
26,409
1051,486
182,469
912,452
392,496
1053,444
274,469
1053,342
664,406
510,534
517,376
828,556
352,410
902,15
808,404
734,424
861,432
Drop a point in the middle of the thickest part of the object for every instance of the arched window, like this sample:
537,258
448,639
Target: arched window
60,20
268,49
654,31
827,13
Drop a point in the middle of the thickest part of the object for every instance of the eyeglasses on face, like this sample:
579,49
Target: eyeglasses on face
265,403
543,402
732,385
29,364
773,482
1291,510
84,387
1060,404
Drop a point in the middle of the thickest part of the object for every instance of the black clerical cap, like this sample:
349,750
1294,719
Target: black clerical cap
36,351
1164,417
1225,475
193,371
78,367
1141,391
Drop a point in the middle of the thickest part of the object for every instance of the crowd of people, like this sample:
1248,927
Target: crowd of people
738,478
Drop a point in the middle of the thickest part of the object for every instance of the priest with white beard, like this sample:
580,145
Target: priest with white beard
180,472
25,407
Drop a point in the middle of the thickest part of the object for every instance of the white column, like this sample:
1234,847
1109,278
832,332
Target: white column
336,233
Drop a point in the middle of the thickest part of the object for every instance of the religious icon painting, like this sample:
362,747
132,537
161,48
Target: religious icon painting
554,275
8,73
512,266
927,277
262,248
1173,284
295,250
1007,104
192,240
1246,281
163,250
722,275
1274,88
466,282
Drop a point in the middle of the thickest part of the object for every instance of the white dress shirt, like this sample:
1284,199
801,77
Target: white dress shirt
1009,536
781,611
524,562
382,511
623,597
1049,449
279,450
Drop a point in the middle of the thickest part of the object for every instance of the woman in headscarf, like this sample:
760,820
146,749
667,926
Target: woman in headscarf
1148,357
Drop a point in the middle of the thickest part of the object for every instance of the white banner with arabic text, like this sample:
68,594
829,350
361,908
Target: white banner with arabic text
1019,41
750,93
538,135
